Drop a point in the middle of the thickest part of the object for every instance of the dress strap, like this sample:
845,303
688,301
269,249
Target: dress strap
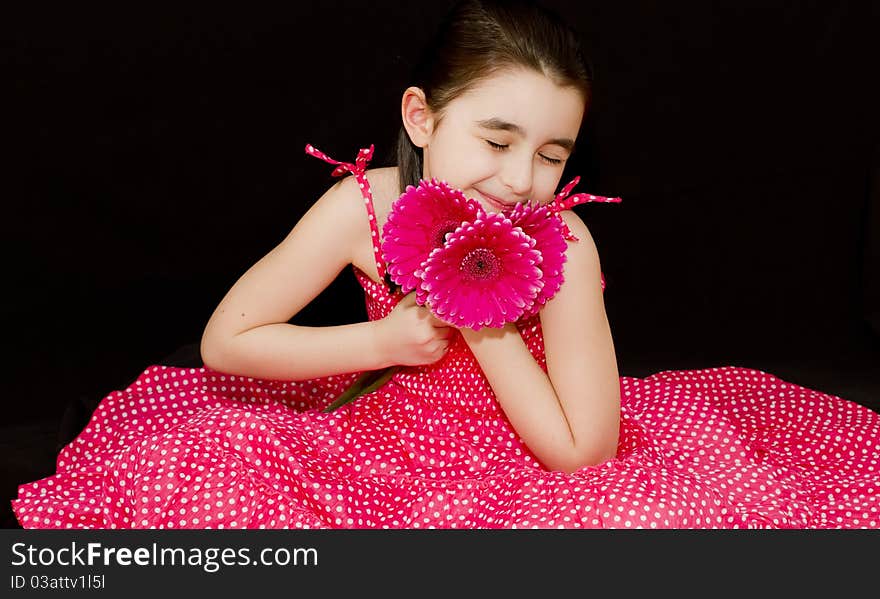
359,169
563,201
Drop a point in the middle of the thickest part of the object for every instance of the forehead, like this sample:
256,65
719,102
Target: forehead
525,98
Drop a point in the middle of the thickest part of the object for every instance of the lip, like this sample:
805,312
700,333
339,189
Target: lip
495,202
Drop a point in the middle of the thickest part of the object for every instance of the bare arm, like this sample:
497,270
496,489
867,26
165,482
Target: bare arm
568,417
249,332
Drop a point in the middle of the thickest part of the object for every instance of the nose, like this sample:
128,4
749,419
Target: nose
517,175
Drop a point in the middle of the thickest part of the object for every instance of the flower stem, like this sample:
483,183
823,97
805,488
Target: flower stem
367,382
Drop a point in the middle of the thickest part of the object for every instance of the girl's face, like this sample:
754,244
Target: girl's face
506,139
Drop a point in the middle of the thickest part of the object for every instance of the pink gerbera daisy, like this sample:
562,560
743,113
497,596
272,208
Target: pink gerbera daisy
545,227
419,221
486,274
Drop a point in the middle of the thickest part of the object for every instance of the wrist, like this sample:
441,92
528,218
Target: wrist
379,344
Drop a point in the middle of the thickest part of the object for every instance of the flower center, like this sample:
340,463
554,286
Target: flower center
438,236
480,265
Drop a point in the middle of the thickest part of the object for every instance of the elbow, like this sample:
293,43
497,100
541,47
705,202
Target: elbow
597,457
206,351
211,353
595,444
588,455
578,463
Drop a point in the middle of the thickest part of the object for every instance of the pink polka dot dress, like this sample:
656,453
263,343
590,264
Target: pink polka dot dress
715,448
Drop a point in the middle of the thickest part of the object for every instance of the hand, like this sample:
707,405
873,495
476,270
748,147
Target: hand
411,335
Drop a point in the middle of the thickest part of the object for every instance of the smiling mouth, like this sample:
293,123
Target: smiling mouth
495,202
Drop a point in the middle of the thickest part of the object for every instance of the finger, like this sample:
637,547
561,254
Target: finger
439,322
445,333
408,300
441,351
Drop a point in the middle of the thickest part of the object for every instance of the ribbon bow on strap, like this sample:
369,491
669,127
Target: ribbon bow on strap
357,169
563,201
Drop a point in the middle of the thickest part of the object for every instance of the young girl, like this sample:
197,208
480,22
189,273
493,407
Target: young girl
526,425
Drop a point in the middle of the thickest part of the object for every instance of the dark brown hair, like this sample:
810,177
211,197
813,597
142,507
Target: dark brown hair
476,40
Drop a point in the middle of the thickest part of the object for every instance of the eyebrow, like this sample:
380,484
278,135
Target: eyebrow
496,124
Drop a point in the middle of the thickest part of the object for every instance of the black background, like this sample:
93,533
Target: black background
154,153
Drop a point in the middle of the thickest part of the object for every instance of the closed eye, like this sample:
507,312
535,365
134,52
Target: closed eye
546,159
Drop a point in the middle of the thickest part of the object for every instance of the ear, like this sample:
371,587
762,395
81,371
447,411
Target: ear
418,120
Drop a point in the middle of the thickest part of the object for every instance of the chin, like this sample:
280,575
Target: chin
489,208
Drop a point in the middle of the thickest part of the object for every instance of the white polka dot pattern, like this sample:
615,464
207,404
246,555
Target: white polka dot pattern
713,448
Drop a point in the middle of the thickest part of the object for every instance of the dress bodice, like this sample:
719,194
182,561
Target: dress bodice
456,380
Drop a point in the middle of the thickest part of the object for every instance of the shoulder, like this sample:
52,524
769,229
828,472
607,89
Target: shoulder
340,216
581,289
342,203
347,196
385,186
347,192
384,179
582,254
343,194
335,218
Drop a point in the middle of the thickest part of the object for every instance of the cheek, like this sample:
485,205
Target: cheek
460,164
545,185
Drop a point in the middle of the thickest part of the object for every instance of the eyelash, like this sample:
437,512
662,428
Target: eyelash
500,147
